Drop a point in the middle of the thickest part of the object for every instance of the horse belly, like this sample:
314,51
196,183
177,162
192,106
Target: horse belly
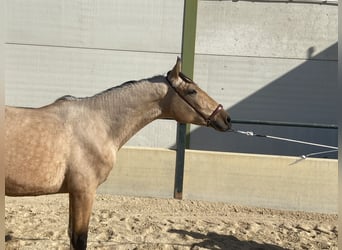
35,158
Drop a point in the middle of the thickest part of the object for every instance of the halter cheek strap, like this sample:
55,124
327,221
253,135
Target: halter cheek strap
208,119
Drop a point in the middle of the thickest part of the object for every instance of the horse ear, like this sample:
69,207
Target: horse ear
174,73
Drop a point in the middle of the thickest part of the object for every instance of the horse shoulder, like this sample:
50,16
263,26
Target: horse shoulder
93,152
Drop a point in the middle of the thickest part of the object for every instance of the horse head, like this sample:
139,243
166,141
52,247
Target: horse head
190,104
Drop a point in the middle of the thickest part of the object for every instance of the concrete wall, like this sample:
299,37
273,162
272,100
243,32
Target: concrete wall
142,172
272,61
246,179
54,48
268,61
263,61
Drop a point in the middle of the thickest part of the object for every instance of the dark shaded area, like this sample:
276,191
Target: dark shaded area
8,237
216,241
306,94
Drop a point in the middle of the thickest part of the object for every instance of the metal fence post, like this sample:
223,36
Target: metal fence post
188,55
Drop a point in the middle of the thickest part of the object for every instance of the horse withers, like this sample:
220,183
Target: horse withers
70,146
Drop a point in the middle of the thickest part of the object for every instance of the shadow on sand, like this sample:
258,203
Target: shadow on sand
216,241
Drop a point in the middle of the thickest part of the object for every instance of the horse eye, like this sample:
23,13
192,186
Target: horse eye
191,92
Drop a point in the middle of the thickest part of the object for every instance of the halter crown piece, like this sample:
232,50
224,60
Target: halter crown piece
208,119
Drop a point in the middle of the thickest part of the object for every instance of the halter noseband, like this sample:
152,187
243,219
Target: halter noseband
208,119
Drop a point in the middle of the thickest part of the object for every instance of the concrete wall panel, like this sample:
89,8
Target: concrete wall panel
138,26
263,181
266,29
142,172
280,182
271,89
273,61
38,75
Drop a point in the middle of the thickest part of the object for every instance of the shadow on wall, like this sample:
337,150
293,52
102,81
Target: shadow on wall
306,94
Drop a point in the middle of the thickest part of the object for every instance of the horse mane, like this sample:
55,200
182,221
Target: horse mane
67,98
74,98
124,85
130,84
121,86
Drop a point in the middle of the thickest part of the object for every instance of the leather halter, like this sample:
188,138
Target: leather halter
208,119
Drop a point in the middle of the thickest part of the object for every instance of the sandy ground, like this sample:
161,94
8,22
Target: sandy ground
148,223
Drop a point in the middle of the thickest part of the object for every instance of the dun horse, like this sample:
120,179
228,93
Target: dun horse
70,146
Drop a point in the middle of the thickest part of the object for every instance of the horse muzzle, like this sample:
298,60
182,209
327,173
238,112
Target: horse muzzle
221,121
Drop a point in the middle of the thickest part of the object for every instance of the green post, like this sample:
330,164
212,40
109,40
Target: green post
188,56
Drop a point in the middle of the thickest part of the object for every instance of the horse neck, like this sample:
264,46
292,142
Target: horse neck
127,109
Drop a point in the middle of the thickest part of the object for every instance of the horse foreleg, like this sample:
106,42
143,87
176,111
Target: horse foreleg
80,207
